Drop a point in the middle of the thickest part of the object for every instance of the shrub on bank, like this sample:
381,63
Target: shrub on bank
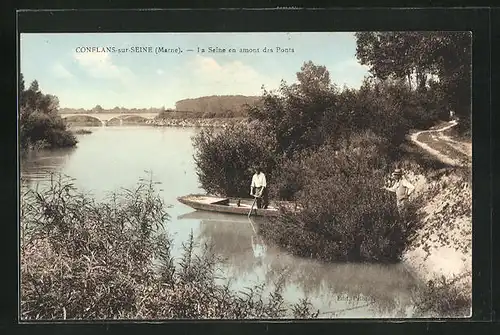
224,158
346,216
82,259
48,128
444,298
40,125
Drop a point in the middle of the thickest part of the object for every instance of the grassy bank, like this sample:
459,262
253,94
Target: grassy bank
82,259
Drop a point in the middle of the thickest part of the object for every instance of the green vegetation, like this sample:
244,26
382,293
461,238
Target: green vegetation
327,148
330,149
40,126
444,298
82,259
82,132
218,106
444,58
224,159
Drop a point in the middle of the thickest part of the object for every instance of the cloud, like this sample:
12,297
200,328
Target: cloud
60,71
349,73
100,65
160,72
233,77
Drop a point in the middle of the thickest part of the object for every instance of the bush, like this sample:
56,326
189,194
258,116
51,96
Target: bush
224,159
346,216
50,128
297,117
86,260
39,123
444,298
390,109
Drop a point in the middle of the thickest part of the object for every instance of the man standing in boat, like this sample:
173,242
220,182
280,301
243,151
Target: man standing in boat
403,188
258,188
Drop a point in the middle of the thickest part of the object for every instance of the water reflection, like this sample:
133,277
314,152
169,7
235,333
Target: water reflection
114,157
359,290
36,166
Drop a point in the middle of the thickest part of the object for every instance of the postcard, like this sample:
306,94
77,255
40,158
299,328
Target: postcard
269,175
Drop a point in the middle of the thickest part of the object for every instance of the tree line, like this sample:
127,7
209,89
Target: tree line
437,60
224,106
218,105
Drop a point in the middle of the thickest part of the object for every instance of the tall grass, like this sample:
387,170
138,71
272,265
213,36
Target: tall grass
82,259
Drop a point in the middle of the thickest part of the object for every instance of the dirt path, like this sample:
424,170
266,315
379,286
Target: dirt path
444,148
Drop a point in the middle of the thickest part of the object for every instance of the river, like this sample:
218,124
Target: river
114,157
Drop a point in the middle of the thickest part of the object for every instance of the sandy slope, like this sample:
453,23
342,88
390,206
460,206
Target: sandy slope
442,247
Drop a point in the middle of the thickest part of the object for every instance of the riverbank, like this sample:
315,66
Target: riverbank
441,250
195,122
443,244
337,290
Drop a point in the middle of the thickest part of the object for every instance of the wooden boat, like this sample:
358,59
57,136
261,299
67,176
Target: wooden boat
201,215
229,205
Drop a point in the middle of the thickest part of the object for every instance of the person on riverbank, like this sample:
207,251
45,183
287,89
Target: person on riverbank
258,187
402,187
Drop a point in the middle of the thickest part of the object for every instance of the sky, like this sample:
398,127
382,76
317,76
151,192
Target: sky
63,65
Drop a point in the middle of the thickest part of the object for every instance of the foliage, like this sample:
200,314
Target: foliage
312,112
218,105
224,159
333,147
298,116
444,297
39,123
423,55
391,110
346,215
82,259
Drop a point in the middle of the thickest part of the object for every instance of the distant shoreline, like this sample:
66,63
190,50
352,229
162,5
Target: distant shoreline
196,122
174,122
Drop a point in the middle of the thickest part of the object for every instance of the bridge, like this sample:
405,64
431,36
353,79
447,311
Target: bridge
104,118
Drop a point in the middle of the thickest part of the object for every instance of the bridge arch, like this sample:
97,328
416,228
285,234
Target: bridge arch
78,118
127,117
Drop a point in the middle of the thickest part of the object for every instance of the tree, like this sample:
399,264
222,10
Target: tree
97,109
420,55
313,78
396,54
39,122
21,83
298,114
50,103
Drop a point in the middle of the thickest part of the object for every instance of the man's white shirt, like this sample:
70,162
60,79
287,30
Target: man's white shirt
259,180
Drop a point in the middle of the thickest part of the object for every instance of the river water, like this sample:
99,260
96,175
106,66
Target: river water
115,157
